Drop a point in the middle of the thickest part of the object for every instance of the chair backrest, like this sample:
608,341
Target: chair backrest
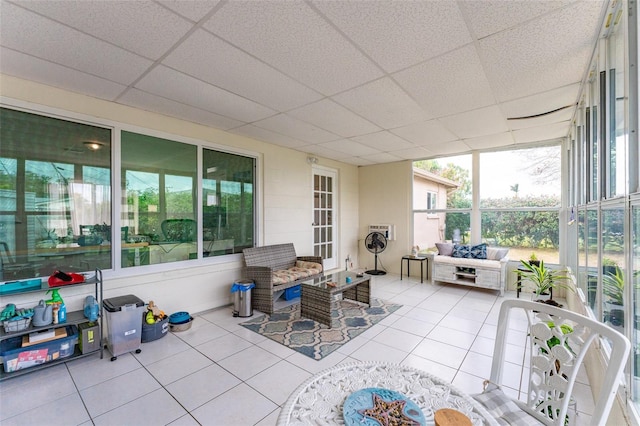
277,256
558,341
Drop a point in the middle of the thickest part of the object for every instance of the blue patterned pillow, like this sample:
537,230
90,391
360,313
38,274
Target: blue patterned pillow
470,252
460,250
479,251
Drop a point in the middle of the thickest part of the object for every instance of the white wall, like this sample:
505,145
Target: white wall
386,197
285,204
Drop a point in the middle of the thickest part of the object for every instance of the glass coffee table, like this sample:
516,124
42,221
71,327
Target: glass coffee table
317,296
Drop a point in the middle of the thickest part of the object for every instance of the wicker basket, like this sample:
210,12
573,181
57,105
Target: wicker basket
16,325
181,327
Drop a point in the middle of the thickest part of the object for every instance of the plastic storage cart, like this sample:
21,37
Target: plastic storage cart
124,324
242,298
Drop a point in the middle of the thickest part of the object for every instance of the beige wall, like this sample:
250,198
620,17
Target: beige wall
285,202
385,198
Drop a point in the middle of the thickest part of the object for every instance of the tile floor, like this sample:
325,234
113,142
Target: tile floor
219,373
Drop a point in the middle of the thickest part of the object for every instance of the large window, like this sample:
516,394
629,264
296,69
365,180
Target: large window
55,195
227,202
520,201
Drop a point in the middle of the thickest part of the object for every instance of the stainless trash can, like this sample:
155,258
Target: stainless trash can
124,324
242,298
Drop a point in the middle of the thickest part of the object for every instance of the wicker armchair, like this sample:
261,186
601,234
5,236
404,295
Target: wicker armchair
262,262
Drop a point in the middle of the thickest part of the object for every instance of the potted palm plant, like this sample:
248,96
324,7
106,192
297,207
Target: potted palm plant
544,280
613,290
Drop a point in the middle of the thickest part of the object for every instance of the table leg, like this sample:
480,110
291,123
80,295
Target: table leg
401,265
421,263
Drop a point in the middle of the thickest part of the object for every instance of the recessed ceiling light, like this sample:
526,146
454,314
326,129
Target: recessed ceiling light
92,145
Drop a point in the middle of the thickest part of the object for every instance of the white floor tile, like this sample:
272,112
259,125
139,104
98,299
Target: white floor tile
449,336
249,362
162,348
441,353
431,367
201,387
68,410
398,339
178,366
286,375
374,351
201,331
157,407
240,406
413,326
223,347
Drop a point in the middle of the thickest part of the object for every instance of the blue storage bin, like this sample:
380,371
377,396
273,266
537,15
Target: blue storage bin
20,286
15,357
292,293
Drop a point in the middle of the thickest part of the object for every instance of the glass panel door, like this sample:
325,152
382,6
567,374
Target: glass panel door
324,213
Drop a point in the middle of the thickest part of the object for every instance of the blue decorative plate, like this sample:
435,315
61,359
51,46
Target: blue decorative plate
363,407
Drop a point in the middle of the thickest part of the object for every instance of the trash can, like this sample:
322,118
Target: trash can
242,298
124,324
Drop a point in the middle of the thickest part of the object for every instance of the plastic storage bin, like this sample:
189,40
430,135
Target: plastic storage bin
155,331
292,293
15,357
124,324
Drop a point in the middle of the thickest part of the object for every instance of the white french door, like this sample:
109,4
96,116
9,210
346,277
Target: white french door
324,215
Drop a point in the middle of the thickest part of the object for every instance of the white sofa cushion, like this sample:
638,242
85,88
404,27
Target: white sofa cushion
465,262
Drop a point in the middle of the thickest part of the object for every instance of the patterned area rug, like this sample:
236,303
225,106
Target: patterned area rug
316,340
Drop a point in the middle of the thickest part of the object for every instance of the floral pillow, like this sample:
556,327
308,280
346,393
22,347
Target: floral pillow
308,265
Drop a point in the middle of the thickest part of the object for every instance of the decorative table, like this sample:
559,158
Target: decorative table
319,400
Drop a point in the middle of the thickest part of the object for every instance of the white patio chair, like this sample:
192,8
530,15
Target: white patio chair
558,341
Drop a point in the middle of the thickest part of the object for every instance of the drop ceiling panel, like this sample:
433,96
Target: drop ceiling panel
399,34
535,134
238,73
449,148
149,102
542,102
543,54
350,147
291,37
268,136
490,141
335,118
452,83
142,27
557,117
429,132
416,153
481,122
31,68
383,141
165,82
65,46
382,102
490,16
383,157
194,10
297,129
325,152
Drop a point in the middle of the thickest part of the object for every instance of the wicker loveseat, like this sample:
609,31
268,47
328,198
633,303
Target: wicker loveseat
274,269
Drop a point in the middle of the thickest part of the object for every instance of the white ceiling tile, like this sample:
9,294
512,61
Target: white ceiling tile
63,45
449,84
192,9
544,133
31,68
490,141
416,153
143,27
324,152
268,136
293,38
384,103
335,118
171,84
146,101
556,117
542,102
543,54
383,157
481,122
398,34
383,141
491,16
287,125
358,161
449,148
238,73
428,132
350,147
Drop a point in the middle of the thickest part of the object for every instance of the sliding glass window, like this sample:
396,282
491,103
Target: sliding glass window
227,202
159,203
55,196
